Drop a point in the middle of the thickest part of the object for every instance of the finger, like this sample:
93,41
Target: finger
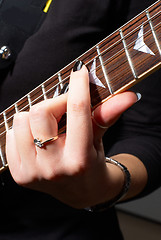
44,119
21,157
13,157
23,137
109,112
79,125
47,112
21,163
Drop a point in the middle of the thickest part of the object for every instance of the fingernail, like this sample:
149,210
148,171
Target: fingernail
138,96
78,65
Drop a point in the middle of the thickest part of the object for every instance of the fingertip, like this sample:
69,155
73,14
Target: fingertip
128,98
79,67
79,81
115,106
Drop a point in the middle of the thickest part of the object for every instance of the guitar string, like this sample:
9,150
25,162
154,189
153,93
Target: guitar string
64,80
96,57
33,90
147,21
62,123
92,60
102,53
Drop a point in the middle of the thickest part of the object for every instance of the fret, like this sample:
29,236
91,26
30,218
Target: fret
3,128
3,162
43,91
3,159
9,114
115,60
16,107
5,121
127,54
141,44
98,86
60,80
104,70
116,63
37,95
2,125
153,31
29,100
51,85
22,104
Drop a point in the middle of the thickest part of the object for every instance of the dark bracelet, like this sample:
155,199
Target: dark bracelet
108,204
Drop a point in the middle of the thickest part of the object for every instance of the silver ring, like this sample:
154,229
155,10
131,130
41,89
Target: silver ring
40,144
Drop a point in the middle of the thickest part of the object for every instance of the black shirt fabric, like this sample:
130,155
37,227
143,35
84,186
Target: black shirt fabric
55,39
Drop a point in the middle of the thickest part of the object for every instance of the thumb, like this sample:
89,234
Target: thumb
105,115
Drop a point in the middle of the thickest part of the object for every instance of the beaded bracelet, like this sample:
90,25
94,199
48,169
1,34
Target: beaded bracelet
108,204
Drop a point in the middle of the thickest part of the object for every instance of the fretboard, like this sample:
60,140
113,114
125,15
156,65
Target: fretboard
116,63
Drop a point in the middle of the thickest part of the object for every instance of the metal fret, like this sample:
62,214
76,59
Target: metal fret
103,69
127,54
153,31
112,58
60,80
2,157
43,91
5,121
16,108
29,100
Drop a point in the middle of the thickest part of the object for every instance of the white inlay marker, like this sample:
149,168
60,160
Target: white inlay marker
56,92
92,75
140,44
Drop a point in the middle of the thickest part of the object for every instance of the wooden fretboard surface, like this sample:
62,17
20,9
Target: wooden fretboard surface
116,63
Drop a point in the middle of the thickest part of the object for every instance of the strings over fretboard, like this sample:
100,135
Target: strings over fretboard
116,63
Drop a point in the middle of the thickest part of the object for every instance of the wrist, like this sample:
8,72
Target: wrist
120,180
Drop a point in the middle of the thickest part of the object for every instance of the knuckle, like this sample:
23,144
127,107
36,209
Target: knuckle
79,163
37,112
49,172
24,177
19,117
17,179
79,107
79,168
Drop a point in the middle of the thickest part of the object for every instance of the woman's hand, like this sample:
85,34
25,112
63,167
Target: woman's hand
71,168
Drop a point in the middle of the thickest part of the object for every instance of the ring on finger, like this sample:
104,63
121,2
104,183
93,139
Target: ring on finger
40,144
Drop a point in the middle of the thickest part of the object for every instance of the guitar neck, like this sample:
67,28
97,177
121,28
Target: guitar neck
116,63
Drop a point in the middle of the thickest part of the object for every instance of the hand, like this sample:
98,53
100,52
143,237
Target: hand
71,168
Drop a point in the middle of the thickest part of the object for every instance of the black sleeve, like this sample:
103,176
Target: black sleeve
138,132
148,150
65,34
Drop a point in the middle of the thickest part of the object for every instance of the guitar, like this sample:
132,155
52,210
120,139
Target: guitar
118,62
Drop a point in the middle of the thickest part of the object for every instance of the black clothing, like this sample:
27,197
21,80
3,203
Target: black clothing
39,50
